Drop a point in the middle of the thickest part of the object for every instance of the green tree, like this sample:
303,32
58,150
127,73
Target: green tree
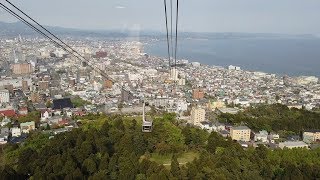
175,169
89,166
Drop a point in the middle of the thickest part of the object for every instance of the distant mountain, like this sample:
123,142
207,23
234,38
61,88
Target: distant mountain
16,28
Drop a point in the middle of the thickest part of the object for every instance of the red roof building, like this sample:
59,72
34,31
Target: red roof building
7,112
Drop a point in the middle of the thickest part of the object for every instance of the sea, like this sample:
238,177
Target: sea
282,56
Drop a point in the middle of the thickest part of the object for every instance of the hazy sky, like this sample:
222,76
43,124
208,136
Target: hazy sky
275,16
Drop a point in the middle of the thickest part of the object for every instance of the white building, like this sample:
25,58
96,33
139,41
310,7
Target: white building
5,121
293,144
208,126
16,132
195,64
261,136
4,96
231,67
182,106
174,74
197,116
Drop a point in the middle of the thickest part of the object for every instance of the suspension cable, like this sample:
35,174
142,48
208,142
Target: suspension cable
171,37
168,44
175,53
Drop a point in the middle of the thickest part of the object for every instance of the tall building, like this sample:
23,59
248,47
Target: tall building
35,97
198,115
4,96
198,94
240,133
25,86
24,68
174,74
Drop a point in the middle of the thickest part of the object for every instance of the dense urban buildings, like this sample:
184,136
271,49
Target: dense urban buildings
119,76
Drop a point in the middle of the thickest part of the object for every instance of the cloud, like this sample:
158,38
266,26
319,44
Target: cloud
120,7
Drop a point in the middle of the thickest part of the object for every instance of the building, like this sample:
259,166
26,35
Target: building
240,133
174,74
4,96
23,111
43,85
198,94
25,86
15,132
262,136
35,97
208,126
213,105
197,116
228,110
311,136
5,121
72,82
101,54
4,134
108,84
27,127
9,112
231,67
9,87
62,103
293,144
19,69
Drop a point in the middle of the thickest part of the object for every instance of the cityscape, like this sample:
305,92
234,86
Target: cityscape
104,108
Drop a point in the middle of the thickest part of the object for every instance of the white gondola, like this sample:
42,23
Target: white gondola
146,125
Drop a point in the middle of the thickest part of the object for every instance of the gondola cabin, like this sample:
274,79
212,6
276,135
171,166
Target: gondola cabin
146,125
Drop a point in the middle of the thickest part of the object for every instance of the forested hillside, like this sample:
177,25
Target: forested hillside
115,148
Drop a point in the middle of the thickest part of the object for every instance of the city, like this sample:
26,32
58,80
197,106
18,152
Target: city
37,74
104,104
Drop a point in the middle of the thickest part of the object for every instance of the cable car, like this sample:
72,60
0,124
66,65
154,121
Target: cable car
146,125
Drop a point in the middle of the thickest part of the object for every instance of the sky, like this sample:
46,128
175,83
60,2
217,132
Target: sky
250,16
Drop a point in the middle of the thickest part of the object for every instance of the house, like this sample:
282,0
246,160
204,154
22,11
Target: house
208,126
311,136
274,136
28,126
45,115
15,132
240,133
5,121
262,136
7,112
63,122
224,133
23,111
293,144
4,135
69,113
220,126
54,120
